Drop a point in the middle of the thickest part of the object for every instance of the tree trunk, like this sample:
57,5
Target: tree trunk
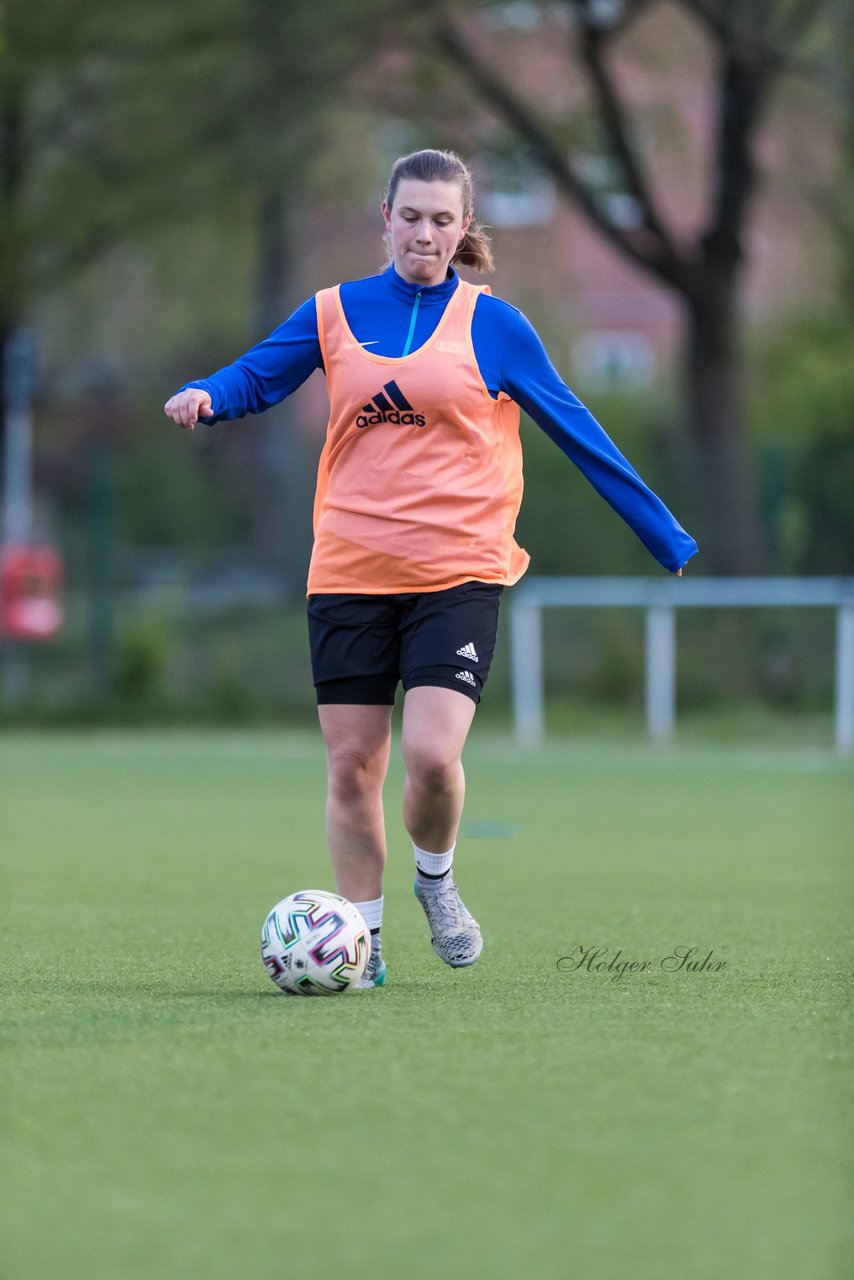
728,524
11,179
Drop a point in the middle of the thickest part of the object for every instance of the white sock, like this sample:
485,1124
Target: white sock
433,864
372,913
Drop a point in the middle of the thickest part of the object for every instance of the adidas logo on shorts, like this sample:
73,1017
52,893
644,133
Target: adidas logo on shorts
467,678
468,651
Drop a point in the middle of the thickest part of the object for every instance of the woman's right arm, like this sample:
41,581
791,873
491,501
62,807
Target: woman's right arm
262,377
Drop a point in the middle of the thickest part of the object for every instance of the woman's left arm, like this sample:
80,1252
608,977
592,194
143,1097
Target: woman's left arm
528,376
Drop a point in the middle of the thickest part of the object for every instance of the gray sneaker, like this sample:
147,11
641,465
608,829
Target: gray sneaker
455,933
374,975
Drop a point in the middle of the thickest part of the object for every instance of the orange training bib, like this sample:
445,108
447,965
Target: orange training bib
420,480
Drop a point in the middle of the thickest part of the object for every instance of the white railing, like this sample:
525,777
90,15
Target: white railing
660,598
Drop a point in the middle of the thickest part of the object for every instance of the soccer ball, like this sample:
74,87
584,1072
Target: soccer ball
315,943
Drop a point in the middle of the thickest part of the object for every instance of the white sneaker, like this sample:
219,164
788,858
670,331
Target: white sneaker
455,933
374,975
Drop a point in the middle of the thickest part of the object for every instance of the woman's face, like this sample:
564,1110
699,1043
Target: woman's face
425,226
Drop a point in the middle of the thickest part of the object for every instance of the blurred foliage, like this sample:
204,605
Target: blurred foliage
139,677
119,119
168,496
564,524
802,409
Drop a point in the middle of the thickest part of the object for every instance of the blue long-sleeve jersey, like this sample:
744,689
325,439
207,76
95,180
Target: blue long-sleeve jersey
391,317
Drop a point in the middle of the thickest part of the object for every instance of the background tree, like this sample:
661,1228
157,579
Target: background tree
754,43
266,113
39,58
120,124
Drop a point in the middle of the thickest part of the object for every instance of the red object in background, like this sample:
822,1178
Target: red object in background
30,582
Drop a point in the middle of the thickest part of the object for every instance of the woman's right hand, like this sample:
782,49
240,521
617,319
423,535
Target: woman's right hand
188,406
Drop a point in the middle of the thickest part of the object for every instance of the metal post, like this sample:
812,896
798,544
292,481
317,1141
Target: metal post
660,671
19,376
100,569
17,485
844,683
526,659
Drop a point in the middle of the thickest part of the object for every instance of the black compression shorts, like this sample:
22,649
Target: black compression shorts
362,646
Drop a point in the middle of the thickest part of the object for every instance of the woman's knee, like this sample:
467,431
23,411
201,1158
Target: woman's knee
432,766
358,742
354,774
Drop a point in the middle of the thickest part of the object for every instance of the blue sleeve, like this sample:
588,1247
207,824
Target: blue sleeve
516,358
269,372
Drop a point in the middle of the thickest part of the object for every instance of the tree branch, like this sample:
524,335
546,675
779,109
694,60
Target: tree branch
645,248
743,90
613,118
751,44
711,19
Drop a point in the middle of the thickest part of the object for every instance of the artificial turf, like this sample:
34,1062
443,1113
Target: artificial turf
167,1113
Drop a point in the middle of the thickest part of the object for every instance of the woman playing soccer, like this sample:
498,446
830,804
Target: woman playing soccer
419,486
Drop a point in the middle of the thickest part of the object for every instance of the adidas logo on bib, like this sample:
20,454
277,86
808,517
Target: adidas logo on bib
468,651
467,678
390,405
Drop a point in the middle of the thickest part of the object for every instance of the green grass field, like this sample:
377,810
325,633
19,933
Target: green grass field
167,1114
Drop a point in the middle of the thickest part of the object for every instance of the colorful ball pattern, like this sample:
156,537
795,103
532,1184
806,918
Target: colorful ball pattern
315,943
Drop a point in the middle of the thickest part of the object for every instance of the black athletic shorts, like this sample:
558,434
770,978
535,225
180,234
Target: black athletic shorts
362,646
